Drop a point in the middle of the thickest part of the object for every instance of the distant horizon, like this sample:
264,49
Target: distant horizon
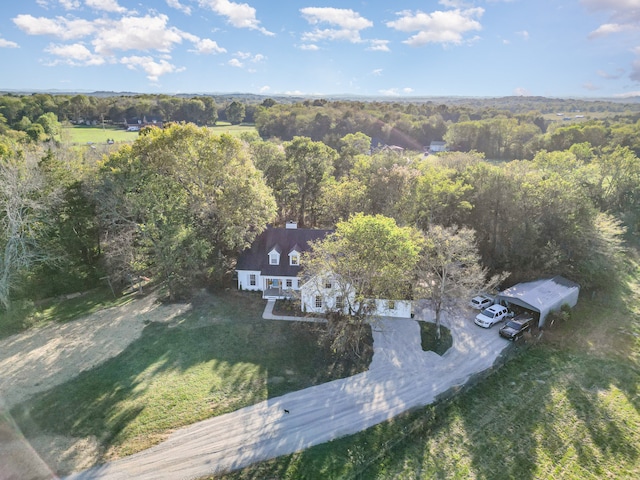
410,49
60,91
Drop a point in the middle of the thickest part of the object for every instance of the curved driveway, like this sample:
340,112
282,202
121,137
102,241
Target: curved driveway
401,377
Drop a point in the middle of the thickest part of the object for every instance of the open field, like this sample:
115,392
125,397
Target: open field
84,135
235,130
216,357
567,407
80,134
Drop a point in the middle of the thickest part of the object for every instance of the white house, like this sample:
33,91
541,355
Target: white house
272,263
324,293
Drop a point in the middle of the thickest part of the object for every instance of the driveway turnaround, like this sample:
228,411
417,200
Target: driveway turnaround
401,377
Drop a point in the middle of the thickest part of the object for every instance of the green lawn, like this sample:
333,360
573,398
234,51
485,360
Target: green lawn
567,407
80,134
84,135
235,130
217,358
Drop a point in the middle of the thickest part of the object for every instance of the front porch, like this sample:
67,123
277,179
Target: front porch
277,289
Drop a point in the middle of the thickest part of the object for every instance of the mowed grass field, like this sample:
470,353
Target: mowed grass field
84,135
566,407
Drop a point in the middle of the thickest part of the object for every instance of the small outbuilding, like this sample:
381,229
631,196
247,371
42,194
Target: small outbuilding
541,296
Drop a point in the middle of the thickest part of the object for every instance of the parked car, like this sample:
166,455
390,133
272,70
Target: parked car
515,328
492,315
481,302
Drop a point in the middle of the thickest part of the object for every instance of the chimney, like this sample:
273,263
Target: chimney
291,225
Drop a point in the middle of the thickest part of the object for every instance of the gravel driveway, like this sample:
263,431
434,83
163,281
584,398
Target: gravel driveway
401,377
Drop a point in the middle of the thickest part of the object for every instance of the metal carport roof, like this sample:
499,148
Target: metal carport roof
543,296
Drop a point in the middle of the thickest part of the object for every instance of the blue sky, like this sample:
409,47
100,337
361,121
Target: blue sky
578,48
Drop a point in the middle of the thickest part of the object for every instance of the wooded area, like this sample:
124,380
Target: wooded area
544,197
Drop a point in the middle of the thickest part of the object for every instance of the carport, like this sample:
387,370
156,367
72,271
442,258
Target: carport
542,296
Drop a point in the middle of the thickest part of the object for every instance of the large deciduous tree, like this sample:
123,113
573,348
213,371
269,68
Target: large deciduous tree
368,257
310,165
179,202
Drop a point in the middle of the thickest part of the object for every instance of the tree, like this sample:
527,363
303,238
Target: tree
310,165
449,271
235,112
50,124
22,219
179,203
368,257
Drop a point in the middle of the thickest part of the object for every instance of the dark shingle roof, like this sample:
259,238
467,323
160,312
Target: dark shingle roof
285,240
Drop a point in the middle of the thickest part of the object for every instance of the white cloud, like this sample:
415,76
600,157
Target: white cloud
628,94
524,34
240,15
75,54
391,92
178,6
407,90
152,68
70,4
105,5
136,33
309,46
607,29
264,89
590,86
349,24
8,44
60,27
207,46
377,72
445,27
521,92
234,62
618,7
379,46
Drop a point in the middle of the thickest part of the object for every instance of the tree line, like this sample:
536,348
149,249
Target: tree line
181,202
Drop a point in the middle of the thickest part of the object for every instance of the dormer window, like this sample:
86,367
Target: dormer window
294,257
274,256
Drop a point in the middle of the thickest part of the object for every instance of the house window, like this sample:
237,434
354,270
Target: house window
273,259
252,279
318,301
327,284
391,305
339,302
289,283
295,260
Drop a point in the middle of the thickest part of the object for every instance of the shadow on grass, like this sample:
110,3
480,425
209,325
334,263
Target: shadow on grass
218,357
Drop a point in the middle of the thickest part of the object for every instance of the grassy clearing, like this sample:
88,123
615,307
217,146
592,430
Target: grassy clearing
217,358
82,135
429,340
235,130
567,407
28,314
